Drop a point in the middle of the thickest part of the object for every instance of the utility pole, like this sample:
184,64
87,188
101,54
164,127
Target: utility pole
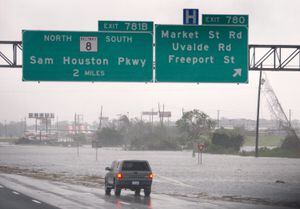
100,119
218,118
50,124
35,125
56,122
5,128
99,128
75,133
46,118
159,114
290,116
25,125
75,123
163,114
152,118
57,126
257,116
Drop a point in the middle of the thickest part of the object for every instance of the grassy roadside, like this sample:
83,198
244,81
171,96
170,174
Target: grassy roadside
8,139
277,152
264,140
85,180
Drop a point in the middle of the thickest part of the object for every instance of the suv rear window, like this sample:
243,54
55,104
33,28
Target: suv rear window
135,166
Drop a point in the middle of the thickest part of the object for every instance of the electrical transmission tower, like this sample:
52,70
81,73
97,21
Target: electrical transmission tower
275,107
273,103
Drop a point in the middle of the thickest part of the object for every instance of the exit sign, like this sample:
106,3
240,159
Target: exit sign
125,26
211,54
217,19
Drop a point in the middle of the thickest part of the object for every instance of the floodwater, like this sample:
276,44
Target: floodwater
258,180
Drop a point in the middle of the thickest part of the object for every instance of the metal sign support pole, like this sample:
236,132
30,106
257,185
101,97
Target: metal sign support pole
257,116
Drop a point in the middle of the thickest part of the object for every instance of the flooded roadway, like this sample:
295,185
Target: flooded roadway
222,180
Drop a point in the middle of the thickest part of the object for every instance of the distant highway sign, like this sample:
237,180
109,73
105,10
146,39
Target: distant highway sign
216,54
87,56
166,114
149,113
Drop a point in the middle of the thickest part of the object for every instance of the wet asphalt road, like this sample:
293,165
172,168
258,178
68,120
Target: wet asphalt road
11,199
69,196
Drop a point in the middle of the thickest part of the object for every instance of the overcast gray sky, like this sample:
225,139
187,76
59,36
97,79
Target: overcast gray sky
270,22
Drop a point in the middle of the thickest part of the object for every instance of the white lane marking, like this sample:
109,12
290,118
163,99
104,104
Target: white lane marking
125,203
16,193
36,201
1,186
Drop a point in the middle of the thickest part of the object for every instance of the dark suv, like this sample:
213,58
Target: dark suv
129,174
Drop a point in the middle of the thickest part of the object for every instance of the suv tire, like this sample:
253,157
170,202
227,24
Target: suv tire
147,191
137,192
117,191
107,190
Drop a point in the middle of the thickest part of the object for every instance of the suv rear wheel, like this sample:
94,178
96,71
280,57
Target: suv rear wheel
117,191
107,190
137,192
147,191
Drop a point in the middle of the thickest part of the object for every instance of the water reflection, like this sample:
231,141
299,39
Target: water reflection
126,200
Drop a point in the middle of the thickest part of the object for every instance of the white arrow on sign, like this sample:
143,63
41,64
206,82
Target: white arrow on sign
237,72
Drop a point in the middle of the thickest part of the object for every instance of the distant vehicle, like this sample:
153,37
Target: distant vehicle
129,174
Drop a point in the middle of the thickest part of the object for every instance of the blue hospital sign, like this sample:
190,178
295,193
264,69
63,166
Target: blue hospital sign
190,16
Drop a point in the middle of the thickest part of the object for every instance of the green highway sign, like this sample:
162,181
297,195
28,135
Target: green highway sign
128,26
87,56
212,19
213,54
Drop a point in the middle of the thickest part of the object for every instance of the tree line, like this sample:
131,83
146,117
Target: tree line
192,128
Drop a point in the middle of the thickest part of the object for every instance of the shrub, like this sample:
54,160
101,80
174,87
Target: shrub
109,137
291,142
228,139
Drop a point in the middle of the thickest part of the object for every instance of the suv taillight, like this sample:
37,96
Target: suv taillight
150,176
119,176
